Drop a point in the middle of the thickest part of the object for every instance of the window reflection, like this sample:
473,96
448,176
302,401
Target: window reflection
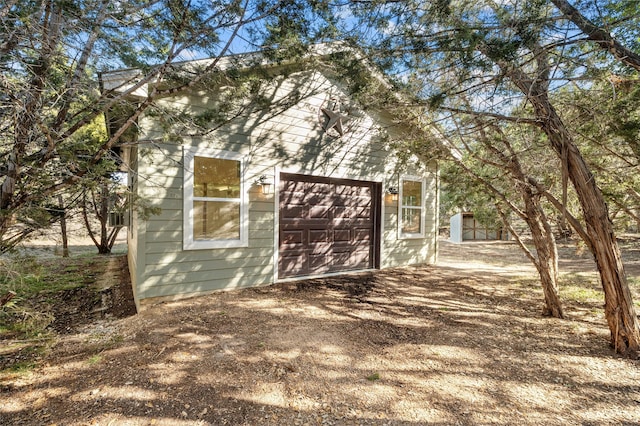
217,216
217,178
411,207
216,220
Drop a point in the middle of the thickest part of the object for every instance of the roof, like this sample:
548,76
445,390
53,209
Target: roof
133,82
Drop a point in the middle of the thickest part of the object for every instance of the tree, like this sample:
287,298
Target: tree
508,58
600,35
63,226
105,198
50,54
605,122
499,168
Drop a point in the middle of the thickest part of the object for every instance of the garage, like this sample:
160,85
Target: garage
327,225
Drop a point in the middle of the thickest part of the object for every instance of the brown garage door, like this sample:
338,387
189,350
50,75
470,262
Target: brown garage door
327,225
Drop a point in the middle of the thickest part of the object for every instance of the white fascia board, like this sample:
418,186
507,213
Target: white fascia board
123,81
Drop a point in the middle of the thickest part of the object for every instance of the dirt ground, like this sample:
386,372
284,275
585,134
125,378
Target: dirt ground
460,343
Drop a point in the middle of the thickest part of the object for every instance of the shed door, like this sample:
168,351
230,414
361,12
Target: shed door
327,225
469,228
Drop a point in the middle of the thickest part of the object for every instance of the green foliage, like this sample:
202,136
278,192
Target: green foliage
94,359
464,56
581,288
373,377
28,276
38,283
462,193
605,122
362,86
54,98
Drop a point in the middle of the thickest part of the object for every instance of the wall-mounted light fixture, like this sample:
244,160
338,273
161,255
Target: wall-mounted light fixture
266,183
393,191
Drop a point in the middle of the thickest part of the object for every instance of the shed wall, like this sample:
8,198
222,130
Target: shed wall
455,228
291,140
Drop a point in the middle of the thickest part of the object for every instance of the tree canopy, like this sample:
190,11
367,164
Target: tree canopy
51,54
565,74
511,63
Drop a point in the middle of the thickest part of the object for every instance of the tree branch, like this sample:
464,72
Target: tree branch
598,35
575,223
518,120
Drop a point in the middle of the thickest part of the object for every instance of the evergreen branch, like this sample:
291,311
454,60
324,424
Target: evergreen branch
601,37
474,113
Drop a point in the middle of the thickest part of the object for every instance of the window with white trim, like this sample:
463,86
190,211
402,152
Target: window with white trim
411,207
215,213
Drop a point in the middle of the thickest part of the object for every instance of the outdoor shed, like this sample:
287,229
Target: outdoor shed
465,227
302,184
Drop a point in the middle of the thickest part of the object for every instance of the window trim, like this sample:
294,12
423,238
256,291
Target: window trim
189,155
422,207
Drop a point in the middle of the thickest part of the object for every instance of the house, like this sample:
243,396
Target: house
299,181
465,227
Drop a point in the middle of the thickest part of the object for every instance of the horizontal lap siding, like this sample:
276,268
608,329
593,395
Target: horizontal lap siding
168,269
134,231
411,251
205,281
284,142
171,270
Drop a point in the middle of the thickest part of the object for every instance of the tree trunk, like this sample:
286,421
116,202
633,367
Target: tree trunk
103,217
619,309
546,258
26,120
598,35
63,227
87,223
546,261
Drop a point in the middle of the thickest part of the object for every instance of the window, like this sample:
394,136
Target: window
411,207
214,201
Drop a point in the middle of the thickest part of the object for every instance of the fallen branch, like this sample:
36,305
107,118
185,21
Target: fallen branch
6,298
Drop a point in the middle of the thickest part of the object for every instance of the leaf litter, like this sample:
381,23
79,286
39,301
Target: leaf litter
463,342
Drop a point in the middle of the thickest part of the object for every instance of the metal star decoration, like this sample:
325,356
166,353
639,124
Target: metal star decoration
336,118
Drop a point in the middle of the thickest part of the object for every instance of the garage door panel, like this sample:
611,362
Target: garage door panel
320,263
341,259
321,191
318,236
362,201
290,186
363,212
362,234
319,249
353,201
345,190
318,200
342,212
292,212
319,212
360,258
342,235
292,237
329,227
339,200
359,223
361,192
294,264
296,193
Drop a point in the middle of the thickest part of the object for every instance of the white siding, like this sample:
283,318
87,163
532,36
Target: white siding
292,140
455,228
397,251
